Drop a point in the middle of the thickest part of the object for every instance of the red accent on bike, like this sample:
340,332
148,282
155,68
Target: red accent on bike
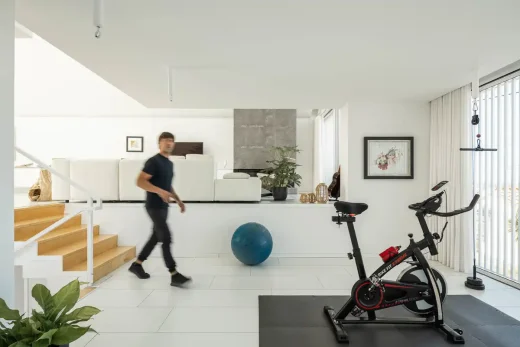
389,253
364,307
397,286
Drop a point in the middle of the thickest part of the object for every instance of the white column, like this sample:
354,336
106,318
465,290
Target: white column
343,151
7,151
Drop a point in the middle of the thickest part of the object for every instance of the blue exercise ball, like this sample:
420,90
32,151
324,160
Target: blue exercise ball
252,243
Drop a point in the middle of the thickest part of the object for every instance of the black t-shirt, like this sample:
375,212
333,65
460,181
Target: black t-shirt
161,169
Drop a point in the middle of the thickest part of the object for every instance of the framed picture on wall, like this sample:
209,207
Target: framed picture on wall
134,143
388,157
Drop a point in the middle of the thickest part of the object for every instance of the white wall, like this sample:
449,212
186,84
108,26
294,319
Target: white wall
48,82
305,142
297,230
7,282
388,220
343,155
65,110
105,137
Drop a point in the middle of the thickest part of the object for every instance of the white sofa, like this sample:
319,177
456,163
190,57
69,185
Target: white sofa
60,190
194,178
115,180
98,176
128,171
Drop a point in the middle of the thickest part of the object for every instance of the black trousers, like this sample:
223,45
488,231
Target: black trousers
160,233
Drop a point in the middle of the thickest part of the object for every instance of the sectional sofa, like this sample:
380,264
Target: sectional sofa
115,180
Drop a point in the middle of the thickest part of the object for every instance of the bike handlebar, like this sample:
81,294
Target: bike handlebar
430,206
459,211
426,207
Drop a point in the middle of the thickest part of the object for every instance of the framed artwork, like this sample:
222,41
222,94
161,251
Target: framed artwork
134,144
388,157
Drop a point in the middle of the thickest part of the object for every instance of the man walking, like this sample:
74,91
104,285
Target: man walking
156,178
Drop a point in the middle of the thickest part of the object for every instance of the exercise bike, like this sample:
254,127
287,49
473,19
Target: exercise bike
419,288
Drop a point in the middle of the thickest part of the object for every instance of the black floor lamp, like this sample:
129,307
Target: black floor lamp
474,282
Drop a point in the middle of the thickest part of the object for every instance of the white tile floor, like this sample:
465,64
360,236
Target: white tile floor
221,306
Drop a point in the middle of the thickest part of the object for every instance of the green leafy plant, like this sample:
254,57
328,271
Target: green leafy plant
57,325
282,170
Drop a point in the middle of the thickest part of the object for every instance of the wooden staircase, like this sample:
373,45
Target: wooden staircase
70,240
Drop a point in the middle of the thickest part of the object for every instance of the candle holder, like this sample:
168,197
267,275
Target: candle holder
322,193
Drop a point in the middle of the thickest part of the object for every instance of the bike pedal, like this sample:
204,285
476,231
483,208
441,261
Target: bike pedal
458,331
356,311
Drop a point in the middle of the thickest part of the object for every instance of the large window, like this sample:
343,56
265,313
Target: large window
329,148
497,179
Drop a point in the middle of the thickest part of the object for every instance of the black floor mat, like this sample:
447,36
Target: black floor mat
299,321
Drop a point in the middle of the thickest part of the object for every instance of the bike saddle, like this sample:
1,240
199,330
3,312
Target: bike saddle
350,207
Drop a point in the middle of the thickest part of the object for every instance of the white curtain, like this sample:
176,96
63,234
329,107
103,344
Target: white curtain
318,138
449,131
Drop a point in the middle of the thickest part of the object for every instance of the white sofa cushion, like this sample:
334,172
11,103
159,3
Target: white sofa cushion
236,175
177,157
129,170
238,189
60,187
99,176
199,157
193,180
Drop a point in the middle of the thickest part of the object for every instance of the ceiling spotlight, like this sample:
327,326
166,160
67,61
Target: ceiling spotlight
98,17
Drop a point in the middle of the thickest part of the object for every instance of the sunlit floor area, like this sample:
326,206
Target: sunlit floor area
220,307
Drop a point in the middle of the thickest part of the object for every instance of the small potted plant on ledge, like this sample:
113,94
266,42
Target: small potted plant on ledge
57,325
282,172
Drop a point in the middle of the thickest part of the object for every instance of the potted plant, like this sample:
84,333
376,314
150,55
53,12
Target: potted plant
57,325
282,172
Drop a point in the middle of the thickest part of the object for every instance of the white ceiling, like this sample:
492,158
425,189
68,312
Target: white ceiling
282,53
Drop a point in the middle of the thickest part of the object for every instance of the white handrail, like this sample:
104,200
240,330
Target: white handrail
90,215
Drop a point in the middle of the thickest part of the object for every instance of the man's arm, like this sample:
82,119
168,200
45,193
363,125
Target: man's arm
174,195
143,182
179,201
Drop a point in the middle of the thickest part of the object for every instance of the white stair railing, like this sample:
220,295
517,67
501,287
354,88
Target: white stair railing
89,210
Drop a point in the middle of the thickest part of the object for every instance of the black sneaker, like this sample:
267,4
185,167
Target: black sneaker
178,280
137,269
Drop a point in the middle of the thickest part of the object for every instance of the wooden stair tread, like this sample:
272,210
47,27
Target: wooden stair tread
102,258
27,213
77,245
40,205
69,240
37,221
63,231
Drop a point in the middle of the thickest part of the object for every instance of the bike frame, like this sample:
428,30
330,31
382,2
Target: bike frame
414,251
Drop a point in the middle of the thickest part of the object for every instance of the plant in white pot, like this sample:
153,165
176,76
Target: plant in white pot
57,325
282,172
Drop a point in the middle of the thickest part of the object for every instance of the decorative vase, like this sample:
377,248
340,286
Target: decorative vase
304,198
322,193
279,193
312,198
